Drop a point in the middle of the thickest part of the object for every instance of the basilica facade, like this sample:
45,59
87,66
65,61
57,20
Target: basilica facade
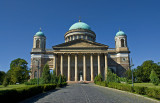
80,57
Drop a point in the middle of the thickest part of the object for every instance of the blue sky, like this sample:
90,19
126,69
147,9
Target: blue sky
21,19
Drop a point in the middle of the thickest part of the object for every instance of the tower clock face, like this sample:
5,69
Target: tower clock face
123,59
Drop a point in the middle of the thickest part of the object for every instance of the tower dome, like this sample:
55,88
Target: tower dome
39,33
120,33
80,25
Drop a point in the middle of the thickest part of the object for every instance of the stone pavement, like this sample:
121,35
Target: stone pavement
87,93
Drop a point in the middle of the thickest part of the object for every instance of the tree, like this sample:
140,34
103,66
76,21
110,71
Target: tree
154,78
111,77
5,81
18,71
53,78
59,80
143,72
2,76
46,74
128,74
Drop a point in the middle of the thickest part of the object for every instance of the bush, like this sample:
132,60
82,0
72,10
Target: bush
5,82
34,81
24,92
111,77
121,86
152,92
154,78
140,90
98,78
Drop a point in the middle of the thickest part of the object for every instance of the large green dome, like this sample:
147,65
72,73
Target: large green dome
80,25
120,33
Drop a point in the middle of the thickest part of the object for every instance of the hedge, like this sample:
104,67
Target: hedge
16,95
151,92
121,86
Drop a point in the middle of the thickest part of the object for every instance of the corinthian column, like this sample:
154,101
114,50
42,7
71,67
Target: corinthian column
69,68
61,64
76,68
99,65
84,67
91,59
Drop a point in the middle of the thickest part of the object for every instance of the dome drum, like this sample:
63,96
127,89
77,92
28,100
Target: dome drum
80,34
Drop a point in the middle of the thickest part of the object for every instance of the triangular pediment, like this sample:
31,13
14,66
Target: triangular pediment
80,43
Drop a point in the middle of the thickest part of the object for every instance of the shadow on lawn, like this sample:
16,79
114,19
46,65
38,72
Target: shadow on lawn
39,96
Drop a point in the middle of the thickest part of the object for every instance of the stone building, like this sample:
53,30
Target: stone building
80,57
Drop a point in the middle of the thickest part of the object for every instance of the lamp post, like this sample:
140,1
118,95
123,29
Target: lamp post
37,65
131,65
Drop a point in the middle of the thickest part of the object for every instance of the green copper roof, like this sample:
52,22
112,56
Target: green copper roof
39,33
80,25
120,33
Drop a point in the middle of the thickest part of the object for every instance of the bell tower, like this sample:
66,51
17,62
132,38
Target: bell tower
39,42
121,40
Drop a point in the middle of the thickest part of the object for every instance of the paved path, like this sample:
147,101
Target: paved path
87,93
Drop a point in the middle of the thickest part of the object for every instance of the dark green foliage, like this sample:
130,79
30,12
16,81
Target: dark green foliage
153,92
5,81
2,76
61,81
128,74
46,74
154,78
142,73
24,92
18,71
140,90
34,81
121,86
111,77
53,78
98,78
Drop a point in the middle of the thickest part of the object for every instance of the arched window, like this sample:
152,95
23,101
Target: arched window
35,74
122,42
37,44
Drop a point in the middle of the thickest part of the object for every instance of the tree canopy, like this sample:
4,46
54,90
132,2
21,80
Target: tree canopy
2,76
18,71
142,73
46,74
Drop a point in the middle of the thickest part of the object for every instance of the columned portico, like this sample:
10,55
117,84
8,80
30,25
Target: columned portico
84,67
76,68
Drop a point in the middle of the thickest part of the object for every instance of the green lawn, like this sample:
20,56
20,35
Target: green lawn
149,85
12,86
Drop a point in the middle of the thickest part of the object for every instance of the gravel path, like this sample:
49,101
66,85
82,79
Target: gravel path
87,93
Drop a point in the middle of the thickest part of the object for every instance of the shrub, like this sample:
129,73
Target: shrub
121,86
152,92
34,81
24,92
154,78
140,90
111,77
98,78
5,82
